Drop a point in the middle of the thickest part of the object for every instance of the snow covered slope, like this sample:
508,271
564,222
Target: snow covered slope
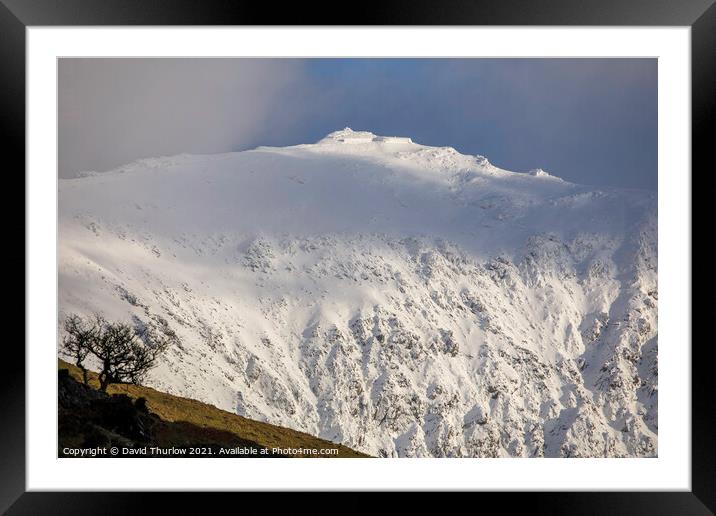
401,299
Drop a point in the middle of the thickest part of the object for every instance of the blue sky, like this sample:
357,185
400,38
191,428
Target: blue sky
591,121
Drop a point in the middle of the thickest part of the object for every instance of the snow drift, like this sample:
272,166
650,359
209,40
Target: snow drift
401,299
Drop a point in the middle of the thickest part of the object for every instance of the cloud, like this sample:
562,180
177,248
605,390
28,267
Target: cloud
112,111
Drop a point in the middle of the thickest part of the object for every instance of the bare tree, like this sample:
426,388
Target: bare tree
79,335
125,353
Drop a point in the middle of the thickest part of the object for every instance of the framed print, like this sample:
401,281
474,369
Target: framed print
439,247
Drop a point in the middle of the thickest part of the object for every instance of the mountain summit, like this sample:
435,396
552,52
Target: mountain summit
401,299
348,135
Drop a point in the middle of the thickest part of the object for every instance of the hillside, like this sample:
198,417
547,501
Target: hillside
402,299
171,421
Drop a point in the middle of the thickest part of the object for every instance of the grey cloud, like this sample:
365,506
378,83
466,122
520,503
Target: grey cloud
112,111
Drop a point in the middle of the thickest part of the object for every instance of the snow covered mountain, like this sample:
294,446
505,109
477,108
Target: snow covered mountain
401,299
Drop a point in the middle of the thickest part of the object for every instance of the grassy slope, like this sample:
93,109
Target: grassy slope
176,409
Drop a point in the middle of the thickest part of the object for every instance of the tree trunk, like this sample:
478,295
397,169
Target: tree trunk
78,363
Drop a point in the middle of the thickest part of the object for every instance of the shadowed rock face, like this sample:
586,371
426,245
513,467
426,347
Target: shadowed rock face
401,299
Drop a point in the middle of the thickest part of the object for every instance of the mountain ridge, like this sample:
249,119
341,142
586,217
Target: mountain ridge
402,299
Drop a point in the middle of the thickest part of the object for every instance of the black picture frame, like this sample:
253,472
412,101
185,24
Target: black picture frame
16,15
